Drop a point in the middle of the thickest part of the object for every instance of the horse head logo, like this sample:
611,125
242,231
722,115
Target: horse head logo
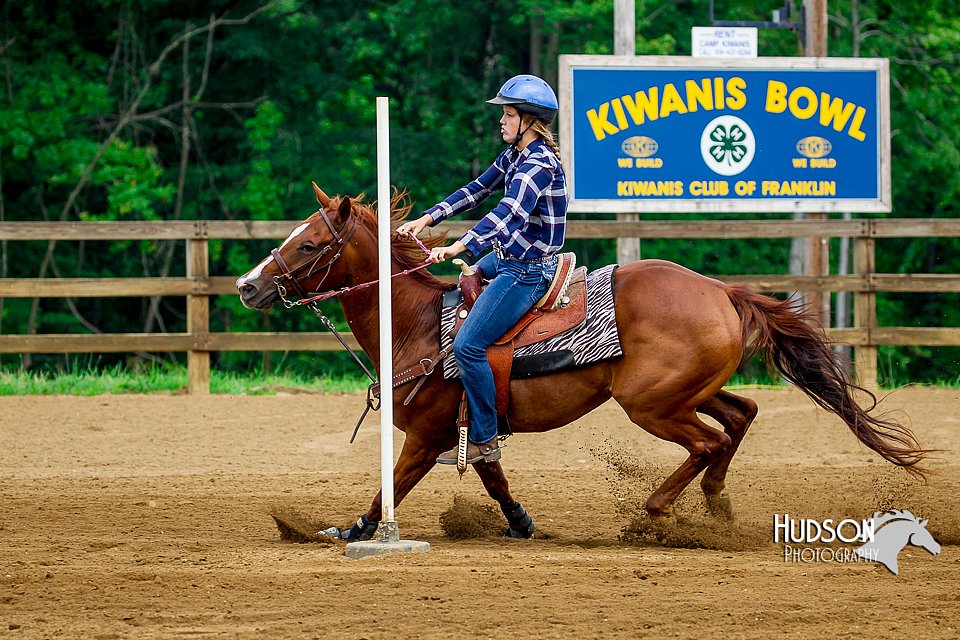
892,531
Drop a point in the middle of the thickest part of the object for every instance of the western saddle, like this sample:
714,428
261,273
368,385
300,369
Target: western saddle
563,307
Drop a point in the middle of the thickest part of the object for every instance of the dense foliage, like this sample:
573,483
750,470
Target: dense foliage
165,110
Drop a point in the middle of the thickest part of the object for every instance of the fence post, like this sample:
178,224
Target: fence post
865,310
198,320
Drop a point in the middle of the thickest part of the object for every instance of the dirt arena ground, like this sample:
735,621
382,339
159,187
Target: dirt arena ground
148,517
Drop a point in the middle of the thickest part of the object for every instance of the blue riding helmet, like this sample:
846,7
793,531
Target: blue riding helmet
529,94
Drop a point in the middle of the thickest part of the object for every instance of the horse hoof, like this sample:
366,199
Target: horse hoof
362,530
510,532
663,520
719,506
520,524
334,533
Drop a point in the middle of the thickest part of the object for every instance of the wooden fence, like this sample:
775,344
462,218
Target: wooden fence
198,285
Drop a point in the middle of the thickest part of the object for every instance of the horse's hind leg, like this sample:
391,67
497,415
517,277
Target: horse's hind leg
734,413
495,482
704,444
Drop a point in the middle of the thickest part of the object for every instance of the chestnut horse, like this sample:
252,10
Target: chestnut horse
683,336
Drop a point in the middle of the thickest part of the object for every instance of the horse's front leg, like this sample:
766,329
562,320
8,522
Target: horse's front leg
416,459
495,482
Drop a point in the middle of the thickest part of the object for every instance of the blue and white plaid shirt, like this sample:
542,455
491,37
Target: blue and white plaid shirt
530,221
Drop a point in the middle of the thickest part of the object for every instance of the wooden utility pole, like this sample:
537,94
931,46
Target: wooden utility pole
625,44
818,248
624,27
815,28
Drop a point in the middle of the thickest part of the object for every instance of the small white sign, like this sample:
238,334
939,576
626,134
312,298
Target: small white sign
724,42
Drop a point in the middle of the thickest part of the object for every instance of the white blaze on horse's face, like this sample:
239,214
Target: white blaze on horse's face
254,273
294,234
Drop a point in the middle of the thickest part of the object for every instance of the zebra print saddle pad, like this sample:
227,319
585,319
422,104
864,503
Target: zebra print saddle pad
593,340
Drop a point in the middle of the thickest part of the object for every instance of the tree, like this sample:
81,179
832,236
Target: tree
164,110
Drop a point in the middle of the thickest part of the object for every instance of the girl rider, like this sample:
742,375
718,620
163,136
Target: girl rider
525,230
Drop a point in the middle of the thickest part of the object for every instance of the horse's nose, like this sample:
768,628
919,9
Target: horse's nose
246,289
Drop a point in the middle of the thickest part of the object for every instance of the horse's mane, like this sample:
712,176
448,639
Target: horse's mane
404,250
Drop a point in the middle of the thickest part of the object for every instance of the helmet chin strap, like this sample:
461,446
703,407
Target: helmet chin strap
520,134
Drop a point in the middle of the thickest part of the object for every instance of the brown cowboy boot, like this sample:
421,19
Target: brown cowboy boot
487,452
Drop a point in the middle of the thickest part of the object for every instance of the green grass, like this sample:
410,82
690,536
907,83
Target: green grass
118,380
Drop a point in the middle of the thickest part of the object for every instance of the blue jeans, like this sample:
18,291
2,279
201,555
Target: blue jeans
514,288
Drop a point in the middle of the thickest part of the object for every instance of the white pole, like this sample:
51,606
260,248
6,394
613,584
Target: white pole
386,315
388,534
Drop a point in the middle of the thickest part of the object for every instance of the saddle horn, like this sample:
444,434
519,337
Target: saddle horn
465,269
322,198
469,282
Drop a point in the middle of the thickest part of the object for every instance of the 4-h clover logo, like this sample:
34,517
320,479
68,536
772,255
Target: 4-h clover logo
727,145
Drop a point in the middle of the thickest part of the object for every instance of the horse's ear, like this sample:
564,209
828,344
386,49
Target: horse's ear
923,523
345,207
322,198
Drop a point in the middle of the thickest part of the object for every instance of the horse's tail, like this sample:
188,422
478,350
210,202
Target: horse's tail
791,342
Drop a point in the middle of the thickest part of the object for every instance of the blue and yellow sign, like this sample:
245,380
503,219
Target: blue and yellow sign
685,134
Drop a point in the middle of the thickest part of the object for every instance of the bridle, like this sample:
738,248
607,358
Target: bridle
340,239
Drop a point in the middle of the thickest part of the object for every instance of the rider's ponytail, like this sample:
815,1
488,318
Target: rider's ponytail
543,130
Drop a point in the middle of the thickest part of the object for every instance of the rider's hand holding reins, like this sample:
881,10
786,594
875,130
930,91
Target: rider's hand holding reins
439,254
414,227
